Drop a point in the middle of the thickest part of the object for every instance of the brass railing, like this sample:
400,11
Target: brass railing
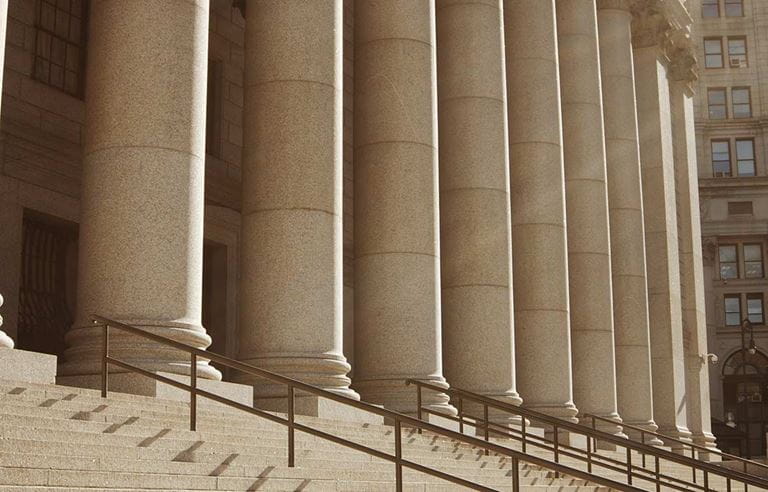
695,449
518,430
292,385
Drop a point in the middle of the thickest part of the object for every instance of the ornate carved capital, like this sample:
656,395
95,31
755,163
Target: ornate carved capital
650,24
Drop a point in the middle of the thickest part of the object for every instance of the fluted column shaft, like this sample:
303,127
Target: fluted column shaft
475,236
141,228
291,297
691,265
625,205
542,326
589,250
397,264
661,241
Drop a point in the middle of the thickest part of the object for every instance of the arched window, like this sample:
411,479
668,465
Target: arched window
742,362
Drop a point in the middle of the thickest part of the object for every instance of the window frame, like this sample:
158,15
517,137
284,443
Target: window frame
711,90
740,3
749,102
725,309
755,296
703,9
738,160
761,261
746,51
721,53
712,143
736,262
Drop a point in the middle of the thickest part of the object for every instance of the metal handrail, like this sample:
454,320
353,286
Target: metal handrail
293,385
693,447
593,435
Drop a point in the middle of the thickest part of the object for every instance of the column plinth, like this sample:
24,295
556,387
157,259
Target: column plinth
589,250
475,235
542,326
141,229
397,264
291,290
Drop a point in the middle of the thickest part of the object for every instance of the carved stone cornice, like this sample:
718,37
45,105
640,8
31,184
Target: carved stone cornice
666,24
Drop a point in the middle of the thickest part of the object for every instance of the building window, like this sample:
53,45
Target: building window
737,52
710,8
60,44
753,261
713,52
729,261
717,104
741,102
739,208
721,158
745,157
732,309
755,309
734,8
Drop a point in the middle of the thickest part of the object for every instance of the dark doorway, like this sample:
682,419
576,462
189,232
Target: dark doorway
215,297
745,395
48,282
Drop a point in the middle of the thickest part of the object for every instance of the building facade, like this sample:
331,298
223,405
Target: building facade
733,175
497,195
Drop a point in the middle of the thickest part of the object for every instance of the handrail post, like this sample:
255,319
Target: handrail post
589,454
658,474
556,440
398,457
193,392
515,475
629,465
418,404
706,481
642,440
594,439
523,429
693,472
485,425
291,419
461,415
104,365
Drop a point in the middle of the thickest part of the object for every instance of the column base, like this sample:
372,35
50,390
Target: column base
328,373
707,440
395,395
613,428
315,406
137,384
85,345
648,425
679,433
27,367
566,411
5,340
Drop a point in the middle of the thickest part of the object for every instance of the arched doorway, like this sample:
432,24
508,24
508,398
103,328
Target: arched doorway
745,398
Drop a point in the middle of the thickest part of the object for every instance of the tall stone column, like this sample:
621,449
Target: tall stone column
625,206
475,239
586,193
5,340
540,263
291,287
141,229
397,264
660,218
691,256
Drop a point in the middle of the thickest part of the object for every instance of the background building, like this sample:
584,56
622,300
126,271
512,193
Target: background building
731,121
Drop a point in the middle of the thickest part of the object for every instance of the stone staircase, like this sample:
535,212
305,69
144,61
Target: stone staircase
63,438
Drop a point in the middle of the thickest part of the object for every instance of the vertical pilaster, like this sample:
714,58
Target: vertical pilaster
475,239
397,264
691,259
625,206
291,292
661,238
141,228
540,263
586,193
8,216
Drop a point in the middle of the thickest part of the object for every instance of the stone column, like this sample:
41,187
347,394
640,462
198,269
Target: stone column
475,236
586,193
625,206
397,264
691,257
542,328
5,340
141,229
291,287
660,218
